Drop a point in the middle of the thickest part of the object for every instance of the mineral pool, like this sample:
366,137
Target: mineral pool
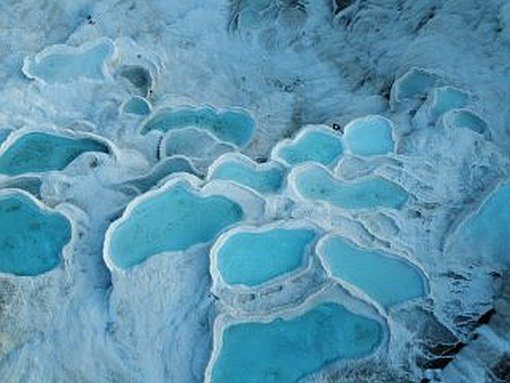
251,258
317,184
286,350
369,136
382,277
173,219
31,238
232,125
269,179
311,144
37,152
63,64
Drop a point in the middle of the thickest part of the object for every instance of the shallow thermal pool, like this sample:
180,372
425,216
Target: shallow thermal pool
37,152
253,257
487,231
317,184
285,350
31,239
60,64
268,179
315,144
369,136
172,219
137,105
232,125
382,277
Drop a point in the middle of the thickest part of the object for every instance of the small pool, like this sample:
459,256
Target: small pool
369,136
416,83
287,350
61,63
486,233
31,238
234,125
464,118
444,99
253,256
314,143
170,165
169,219
316,183
193,143
265,178
37,152
138,106
386,279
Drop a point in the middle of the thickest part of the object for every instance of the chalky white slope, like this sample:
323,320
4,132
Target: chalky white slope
437,70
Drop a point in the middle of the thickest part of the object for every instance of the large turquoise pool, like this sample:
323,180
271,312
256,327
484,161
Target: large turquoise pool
382,277
31,239
37,152
170,220
286,350
251,258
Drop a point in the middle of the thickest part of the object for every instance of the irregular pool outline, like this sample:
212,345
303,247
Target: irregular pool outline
294,193
325,294
301,134
217,111
253,208
358,292
159,167
247,162
370,118
219,284
216,142
447,121
468,216
138,99
59,132
396,96
63,49
65,251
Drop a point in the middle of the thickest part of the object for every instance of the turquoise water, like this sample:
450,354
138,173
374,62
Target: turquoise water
385,279
415,83
487,232
463,118
64,67
138,106
267,180
447,98
37,152
315,183
369,136
286,350
29,184
234,126
31,240
252,258
312,145
193,143
4,133
161,170
172,220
